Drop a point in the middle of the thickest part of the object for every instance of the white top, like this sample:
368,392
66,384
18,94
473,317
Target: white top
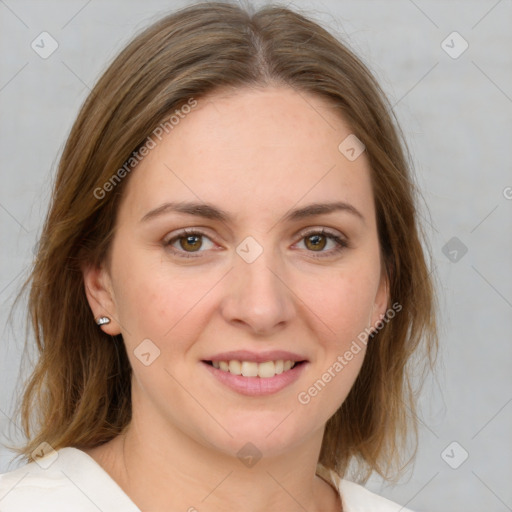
70,480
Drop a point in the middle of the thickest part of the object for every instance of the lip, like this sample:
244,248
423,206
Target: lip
256,357
256,386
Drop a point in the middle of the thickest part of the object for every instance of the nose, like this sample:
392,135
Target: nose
258,295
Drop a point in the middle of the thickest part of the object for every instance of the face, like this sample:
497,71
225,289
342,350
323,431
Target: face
249,278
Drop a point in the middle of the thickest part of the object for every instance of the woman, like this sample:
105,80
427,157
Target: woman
230,280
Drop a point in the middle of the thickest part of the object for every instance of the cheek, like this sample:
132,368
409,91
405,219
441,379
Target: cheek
342,300
155,300
341,307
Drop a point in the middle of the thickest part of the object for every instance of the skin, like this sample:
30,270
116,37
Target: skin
257,154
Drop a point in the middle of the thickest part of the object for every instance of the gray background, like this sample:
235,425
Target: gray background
457,116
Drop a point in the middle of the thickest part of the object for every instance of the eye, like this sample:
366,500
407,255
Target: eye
318,240
188,241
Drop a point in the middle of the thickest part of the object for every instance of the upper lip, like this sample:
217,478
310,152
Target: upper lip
257,357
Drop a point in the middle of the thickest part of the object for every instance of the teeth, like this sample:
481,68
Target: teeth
264,370
235,367
249,369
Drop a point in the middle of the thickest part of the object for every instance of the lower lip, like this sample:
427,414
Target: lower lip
257,386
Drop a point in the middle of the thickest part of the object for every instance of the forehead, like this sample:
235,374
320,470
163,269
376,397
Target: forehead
253,150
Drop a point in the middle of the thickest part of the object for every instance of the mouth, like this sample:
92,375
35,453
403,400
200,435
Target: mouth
255,378
263,370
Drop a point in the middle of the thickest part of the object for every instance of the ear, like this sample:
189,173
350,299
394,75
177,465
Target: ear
101,298
381,300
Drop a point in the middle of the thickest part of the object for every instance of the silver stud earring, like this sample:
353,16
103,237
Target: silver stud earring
102,320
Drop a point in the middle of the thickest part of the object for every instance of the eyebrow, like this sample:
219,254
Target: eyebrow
208,211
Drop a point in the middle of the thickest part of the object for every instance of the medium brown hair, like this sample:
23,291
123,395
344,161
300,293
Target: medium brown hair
79,392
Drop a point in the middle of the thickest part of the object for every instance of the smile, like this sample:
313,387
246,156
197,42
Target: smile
264,370
255,379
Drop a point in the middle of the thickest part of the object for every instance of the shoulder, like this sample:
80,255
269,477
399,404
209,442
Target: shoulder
356,498
36,484
63,480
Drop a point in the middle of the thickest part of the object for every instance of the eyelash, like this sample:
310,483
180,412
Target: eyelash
341,244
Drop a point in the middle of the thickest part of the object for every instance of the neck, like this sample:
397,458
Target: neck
174,472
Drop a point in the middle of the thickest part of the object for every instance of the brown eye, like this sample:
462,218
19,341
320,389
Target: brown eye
324,243
186,243
191,243
316,242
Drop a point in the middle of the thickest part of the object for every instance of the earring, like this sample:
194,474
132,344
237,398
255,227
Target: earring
102,320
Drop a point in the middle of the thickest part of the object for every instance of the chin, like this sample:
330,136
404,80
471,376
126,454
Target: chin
269,434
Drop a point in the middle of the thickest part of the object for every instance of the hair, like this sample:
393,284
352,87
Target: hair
78,393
